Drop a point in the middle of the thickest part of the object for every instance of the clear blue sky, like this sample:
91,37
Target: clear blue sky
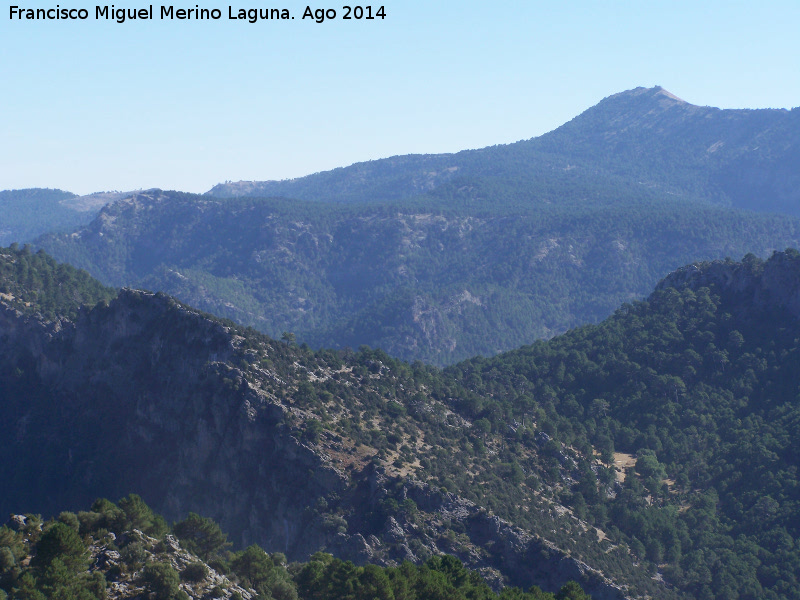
94,105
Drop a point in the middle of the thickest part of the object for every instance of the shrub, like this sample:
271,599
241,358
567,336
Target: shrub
162,580
63,542
194,572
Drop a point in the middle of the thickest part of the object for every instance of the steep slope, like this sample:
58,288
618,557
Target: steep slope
508,462
696,389
421,279
295,450
643,137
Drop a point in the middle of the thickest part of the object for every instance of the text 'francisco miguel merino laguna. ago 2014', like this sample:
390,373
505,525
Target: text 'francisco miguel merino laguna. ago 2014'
251,15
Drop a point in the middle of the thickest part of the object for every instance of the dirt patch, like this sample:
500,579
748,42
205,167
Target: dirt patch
601,535
623,462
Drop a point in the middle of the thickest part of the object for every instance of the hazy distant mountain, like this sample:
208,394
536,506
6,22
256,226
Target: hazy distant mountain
27,214
441,257
91,203
421,279
744,158
648,137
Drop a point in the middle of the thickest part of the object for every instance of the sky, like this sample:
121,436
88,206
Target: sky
95,105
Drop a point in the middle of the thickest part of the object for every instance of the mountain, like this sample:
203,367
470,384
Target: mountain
742,158
443,257
507,463
27,214
292,449
433,279
696,389
645,137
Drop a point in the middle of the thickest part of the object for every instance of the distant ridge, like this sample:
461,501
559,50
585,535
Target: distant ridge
644,136
96,200
439,280
28,213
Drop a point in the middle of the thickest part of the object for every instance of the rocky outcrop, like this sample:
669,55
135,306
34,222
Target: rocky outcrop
774,283
105,556
503,553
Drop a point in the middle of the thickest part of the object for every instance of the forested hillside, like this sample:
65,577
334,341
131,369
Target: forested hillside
36,283
434,279
642,137
652,453
699,383
742,158
26,214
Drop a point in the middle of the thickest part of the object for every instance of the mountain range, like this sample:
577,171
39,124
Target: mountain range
536,358
442,257
421,280
645,137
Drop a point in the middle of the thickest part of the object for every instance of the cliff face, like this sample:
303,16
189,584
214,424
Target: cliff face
142,395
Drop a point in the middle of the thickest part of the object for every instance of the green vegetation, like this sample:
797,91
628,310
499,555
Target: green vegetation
50,560
27,214
34,282
439,279
201,536
440,578
694,390
700,384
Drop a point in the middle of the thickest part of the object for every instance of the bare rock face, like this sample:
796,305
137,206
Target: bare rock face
17,522
149,402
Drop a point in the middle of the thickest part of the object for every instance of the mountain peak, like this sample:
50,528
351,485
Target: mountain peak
643,95
659,91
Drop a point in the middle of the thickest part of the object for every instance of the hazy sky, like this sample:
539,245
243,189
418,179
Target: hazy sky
95,105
